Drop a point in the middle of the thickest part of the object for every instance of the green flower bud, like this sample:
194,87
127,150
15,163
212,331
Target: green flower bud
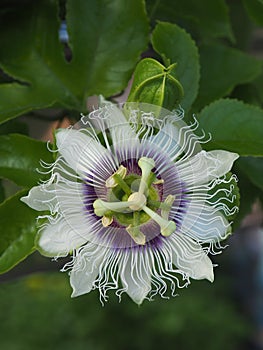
156,84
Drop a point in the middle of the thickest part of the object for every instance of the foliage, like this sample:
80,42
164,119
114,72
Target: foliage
198,58
47,316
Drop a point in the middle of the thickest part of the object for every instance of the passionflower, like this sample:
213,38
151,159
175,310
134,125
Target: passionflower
135,201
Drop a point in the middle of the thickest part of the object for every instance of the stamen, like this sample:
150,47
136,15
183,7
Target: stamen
146,165
106,220
158,181
167,227
136,234
111,181
166,206
134,231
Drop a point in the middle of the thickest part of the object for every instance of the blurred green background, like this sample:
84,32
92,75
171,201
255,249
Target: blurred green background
38,313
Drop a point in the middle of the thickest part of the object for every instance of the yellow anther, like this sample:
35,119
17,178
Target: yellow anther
166,206
111,181
158,181
136,235
106,220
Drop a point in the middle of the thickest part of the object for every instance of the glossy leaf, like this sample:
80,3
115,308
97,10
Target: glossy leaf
20,158
153,83
102,62
175,45
18,229
258,84
234,126
34,57
255,10
222,68
2,192
204,18
106,39
253,169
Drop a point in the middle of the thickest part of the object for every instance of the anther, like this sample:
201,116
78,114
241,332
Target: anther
166,206
106,220
111,181
136,235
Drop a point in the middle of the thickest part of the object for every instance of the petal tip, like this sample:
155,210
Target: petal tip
76,294
210,276
24,199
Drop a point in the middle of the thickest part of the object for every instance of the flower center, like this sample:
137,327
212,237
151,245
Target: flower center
134,200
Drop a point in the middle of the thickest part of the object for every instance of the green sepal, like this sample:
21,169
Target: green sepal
155,84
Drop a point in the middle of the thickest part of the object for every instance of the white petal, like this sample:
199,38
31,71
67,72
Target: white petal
135,276
189,257
85,270
59,238
204,223
167,140
41,197
224,159
82,153
109,118
118,124
206,166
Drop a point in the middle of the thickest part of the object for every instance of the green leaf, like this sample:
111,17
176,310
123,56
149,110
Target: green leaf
258,84
234,126
33,56
205,18
255,10
249,194
153,83
248,93
176,46
20,158
106,39
253,169
18,229
2,192
14,126
222,68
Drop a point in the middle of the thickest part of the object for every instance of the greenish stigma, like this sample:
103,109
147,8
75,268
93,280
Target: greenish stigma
133,201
